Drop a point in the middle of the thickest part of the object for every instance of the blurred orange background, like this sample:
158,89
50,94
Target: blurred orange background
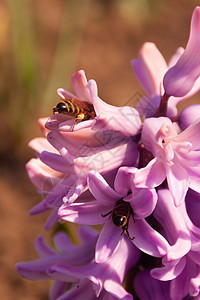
41,44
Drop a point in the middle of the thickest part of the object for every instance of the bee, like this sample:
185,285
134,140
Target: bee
79,109
121,215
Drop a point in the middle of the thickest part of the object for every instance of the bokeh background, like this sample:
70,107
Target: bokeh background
41,44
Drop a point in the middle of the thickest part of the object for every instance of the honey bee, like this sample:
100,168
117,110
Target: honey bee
121,215
79,109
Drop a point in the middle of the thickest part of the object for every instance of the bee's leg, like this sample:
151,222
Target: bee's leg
130,238
133,217
86,117
78,117
107,214
125,229
54,110
75,121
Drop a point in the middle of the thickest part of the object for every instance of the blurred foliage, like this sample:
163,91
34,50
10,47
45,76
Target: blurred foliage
140,10
37,54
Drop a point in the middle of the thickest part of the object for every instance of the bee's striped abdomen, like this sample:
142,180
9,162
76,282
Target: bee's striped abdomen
72,108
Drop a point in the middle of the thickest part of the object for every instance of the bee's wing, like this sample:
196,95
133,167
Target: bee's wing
86,106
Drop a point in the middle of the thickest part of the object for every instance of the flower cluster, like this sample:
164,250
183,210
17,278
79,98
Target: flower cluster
137,171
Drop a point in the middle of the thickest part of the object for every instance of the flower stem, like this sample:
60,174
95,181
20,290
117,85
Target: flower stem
145,156
162,110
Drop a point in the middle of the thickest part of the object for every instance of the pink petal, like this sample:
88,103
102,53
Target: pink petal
195,285
174,101
124,180
77,292
101,190
57,120
89,213
108,159
57,163
169,272
42,122
194,177
175,57
79,84
62,189
143,203
42,248
180,286
150,68
178,182
189,115
52,220
180,79
78,187
64,273
147,239
65,94
33,270
150,176
151,289
83,137
43,177
172,220
179,249
41,144
153,131
57,289
192,158
116,289
63,242
108,240
39,208
191,134
124,119
147,107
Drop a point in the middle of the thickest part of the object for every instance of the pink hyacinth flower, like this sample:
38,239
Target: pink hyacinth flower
176,157
65,253
66,157
181,264
142,202
124,120
105,277
101,144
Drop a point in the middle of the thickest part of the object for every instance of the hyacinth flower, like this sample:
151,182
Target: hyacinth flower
140,180
48,181
66,157
113,207
75,265
66,253
176,157
123,119
181,264
102,144
178,80
105,278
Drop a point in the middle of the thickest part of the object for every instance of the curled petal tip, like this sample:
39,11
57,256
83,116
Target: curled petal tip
78,74
180,79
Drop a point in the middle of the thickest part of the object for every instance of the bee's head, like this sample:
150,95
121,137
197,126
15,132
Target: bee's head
60,108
